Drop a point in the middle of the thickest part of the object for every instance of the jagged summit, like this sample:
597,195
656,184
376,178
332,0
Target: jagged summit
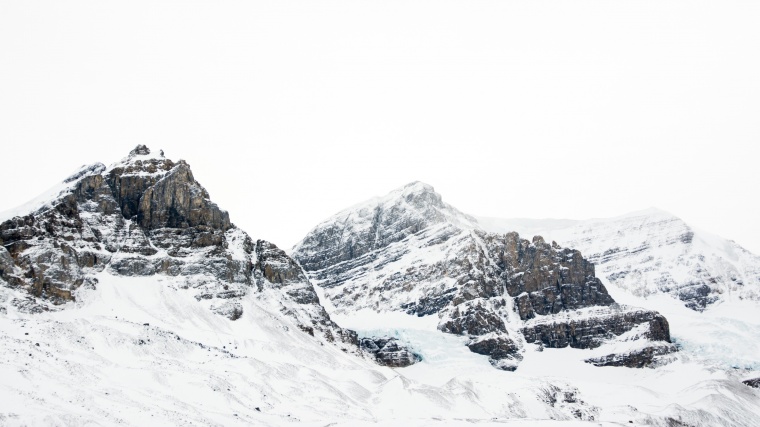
413,188
141,160
158,192
143,151
413,196
140,150
379,222
417,193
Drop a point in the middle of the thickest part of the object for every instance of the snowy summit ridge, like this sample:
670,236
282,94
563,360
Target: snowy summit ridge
379,222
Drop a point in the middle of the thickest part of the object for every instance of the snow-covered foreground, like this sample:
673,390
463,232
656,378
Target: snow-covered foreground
141,351
698,387
725,336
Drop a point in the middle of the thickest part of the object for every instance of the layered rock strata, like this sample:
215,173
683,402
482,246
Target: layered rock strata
409,251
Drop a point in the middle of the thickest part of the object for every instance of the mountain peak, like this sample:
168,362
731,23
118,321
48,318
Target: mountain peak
418,186
410,191
141,162
143,153
417,194
140,150
379,222
417,200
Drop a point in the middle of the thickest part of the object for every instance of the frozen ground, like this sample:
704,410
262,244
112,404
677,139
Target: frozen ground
140,351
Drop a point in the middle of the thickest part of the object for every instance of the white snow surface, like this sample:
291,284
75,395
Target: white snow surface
141,351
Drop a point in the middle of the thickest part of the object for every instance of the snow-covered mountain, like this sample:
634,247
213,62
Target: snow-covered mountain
410,255
653,251
144,216
128,297
409,251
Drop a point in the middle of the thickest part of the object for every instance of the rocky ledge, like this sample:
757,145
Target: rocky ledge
389,351
591,328
648,357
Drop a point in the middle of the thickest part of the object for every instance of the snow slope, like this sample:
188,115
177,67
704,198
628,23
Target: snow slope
140,351
700,386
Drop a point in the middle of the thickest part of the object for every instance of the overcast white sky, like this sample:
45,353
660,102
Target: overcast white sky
289,111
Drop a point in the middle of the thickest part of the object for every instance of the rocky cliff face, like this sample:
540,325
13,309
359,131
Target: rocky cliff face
147,215
411,252
652,251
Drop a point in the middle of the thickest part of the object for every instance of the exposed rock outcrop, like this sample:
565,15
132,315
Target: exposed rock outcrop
592,329
502,351
7,266
389,351
647,357
653,251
